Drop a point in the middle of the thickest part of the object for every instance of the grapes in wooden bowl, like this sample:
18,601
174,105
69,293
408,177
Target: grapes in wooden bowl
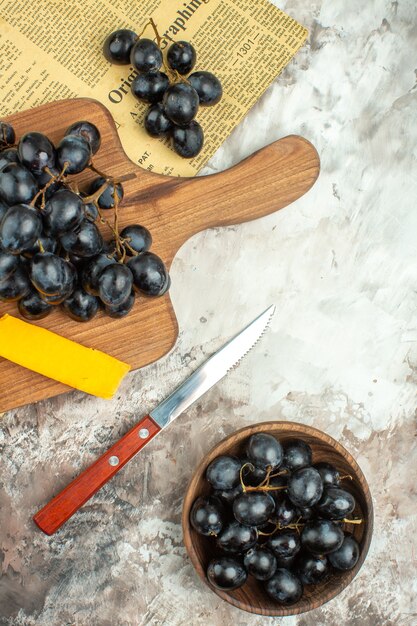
278,518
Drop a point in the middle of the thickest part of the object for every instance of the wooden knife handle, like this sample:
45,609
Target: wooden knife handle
70,499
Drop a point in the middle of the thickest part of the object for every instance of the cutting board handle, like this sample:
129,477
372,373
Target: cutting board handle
266,181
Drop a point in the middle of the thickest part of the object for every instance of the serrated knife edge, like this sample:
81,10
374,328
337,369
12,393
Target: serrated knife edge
212,370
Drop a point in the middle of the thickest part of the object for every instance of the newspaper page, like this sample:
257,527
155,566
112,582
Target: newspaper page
52,49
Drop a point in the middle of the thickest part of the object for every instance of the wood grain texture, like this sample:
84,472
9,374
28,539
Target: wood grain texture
251,596
63,506
173,209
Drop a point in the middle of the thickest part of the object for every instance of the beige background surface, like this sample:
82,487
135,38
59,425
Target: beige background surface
340,265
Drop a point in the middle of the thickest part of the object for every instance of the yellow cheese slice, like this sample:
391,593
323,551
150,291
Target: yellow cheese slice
61,359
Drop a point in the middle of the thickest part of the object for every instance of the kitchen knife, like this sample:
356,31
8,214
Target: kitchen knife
70,499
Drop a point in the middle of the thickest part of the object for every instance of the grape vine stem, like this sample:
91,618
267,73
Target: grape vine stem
264,485
53,179
176,76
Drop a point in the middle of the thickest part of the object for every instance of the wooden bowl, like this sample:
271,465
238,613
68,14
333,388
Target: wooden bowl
251,596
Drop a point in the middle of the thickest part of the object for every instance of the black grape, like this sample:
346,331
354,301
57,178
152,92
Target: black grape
226,573
115,284
8,264
181,57
84,241
88,131
345,557
305,487
150,87
7,134
284,544
92,270
32,307
253,508
312,569
335,503
20,228
50,274
208,87
15,286
237,538
43,243
81,306
36,152
138,238
321,536
91,212
207,516
63,212
73,153
180,103
329,474
3,209
224,472
264,451
260,563
284,587
44,178
150,275
188,141
117,312
118,46
297,454
145,56
157,124
17,184
8,156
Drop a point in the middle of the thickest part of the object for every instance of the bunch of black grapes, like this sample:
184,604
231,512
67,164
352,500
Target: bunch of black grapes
277,517
173,96
51,250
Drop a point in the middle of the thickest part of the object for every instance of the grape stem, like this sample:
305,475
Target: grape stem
264,488
131,250
143,30
266,479
297,525
93,198
281,473
176,76
53,179
269,475
93,168
74,187
278,526
121,250
264,485
267,534
244,487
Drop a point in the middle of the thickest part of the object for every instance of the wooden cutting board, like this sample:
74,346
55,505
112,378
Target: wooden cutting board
173,209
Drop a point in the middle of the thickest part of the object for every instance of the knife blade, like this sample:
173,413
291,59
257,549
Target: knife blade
63,506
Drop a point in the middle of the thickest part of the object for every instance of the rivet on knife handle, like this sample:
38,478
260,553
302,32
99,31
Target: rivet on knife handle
68,501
